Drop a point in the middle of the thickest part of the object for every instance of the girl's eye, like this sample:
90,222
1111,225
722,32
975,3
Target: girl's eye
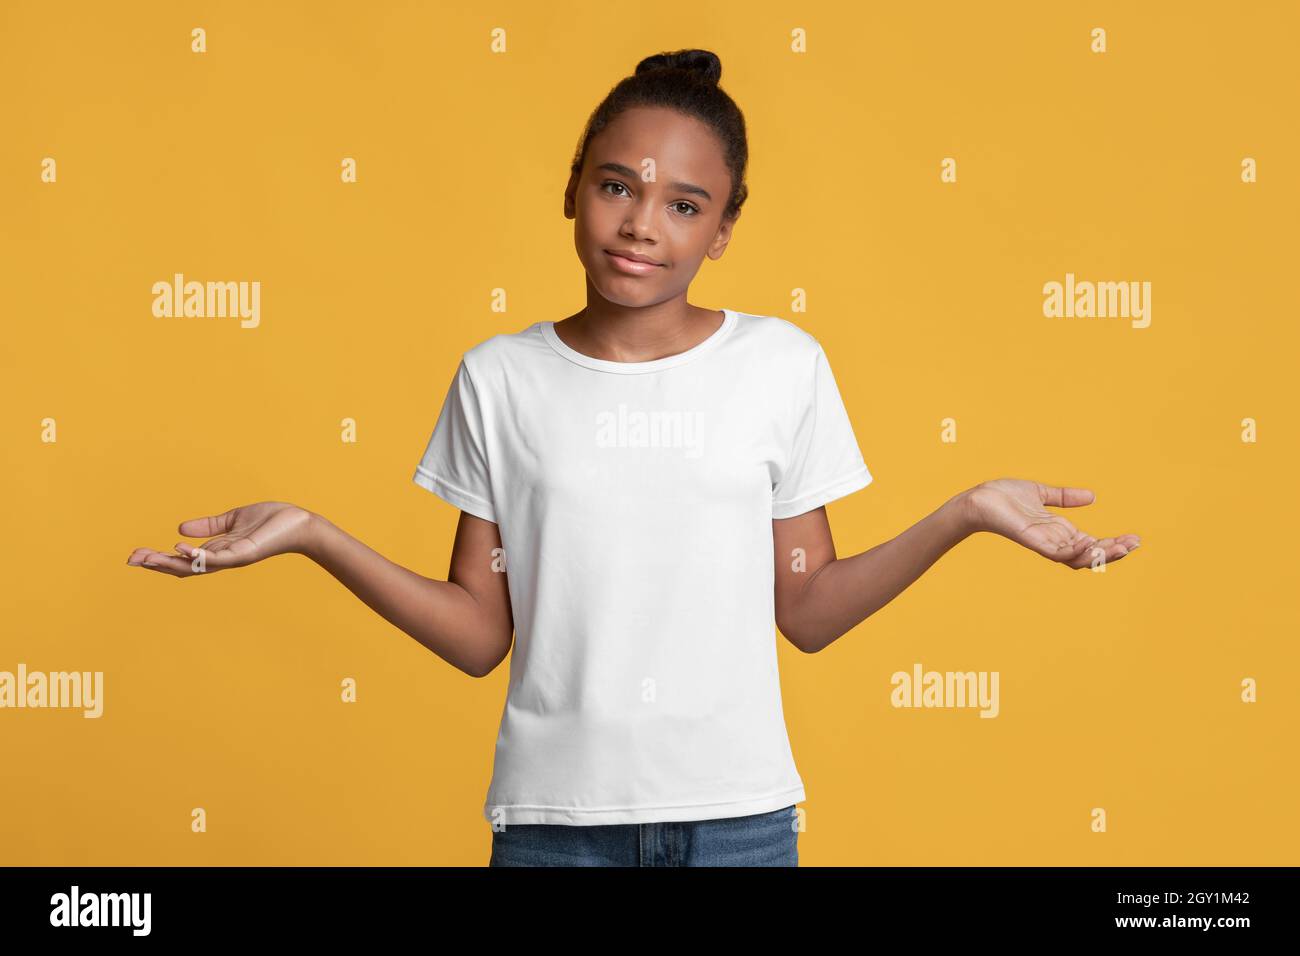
690,210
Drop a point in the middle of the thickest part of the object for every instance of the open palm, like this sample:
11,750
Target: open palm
1017,509
243,536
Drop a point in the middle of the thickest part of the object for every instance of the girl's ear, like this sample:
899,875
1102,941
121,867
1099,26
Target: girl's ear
719,244
570,195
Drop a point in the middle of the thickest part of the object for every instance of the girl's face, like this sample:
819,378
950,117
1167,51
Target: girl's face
675,218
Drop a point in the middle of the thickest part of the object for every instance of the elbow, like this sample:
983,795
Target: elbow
481,668
799,639
810,646
487,663
809,641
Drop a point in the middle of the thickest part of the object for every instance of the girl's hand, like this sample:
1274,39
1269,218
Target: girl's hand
1015,509
244,536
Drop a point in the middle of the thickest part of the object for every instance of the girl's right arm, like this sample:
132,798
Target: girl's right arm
466,620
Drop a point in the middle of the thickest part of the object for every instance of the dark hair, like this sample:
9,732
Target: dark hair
685,81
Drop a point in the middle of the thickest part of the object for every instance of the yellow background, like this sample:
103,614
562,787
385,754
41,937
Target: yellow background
1119,690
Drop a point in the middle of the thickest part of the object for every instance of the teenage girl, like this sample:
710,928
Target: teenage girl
642,489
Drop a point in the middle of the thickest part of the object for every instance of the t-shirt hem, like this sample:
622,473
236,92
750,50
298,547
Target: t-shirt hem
603,816
453,495
854,481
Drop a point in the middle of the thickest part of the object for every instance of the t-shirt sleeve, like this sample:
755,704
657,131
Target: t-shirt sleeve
455,465
823,461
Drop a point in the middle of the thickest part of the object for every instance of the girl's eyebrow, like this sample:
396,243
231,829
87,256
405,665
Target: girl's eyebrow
679,187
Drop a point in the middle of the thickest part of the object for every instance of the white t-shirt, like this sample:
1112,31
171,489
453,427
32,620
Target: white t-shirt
635,504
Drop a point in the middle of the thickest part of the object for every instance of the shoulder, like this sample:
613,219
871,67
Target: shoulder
489,362
779,340
774,330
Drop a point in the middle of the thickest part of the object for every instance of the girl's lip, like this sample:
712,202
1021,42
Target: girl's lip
631,267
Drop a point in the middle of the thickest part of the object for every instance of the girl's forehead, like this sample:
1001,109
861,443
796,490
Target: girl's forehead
647,120
666,135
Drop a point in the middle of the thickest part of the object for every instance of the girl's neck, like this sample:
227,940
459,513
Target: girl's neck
643,335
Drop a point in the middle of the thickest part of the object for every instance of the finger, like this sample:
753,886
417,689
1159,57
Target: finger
150,557
1065,497
1076,551
1081,543
166,563
217,555
209,526
1123,543
1058,539
208,547
1113,549
1108,550
180,565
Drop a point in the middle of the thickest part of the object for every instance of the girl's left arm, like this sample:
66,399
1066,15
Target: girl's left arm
820,597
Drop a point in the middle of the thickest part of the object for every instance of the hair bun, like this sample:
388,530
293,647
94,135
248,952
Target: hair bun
702,62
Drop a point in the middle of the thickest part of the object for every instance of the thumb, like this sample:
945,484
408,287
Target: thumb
1065,497
208,527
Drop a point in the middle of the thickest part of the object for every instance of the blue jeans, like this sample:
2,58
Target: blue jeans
761,839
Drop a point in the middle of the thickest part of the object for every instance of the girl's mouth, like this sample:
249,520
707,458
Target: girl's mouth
631,267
